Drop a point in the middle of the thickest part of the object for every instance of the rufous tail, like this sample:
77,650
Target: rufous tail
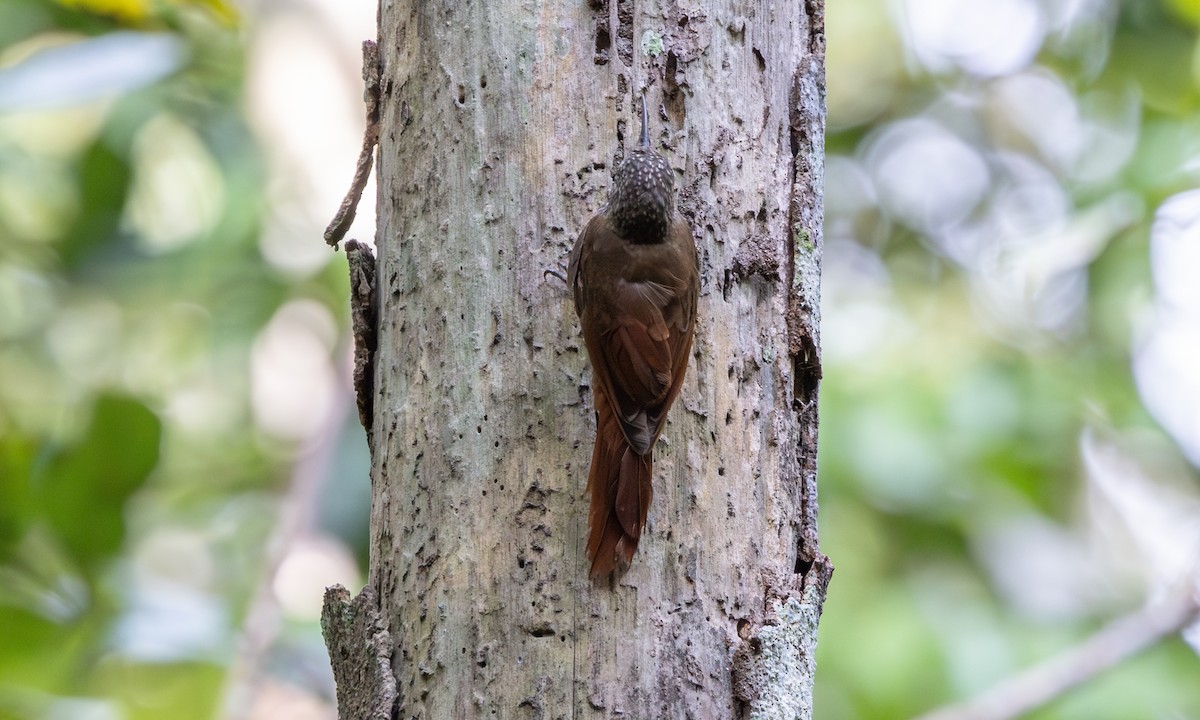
620,484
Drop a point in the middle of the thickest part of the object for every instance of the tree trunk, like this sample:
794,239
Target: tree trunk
501,123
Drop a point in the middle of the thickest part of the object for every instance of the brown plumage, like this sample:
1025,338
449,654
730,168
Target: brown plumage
635,276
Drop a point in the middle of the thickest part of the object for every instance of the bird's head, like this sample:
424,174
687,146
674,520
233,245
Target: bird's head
642,200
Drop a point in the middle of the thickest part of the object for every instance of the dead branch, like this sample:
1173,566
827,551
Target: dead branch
1120,640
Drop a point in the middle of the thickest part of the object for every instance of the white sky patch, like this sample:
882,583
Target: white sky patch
1166,362
1147,524
307,109
857,302
1041,108
925,175
311,565
1029,252
170,622
1111,127
991,38
1083,30
293,380
85,340
178,191
848,187
1054,580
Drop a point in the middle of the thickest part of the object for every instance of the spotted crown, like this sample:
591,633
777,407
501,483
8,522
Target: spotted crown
642,200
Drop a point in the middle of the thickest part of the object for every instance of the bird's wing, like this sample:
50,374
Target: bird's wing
679,316
579,257
639,336
640,360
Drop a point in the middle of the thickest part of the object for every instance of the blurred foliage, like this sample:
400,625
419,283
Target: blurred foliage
986,293
137,490
988,280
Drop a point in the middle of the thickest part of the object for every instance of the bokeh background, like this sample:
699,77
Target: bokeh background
181,470
1011,318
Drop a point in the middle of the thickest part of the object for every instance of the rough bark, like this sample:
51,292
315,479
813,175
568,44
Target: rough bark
359,650
500,124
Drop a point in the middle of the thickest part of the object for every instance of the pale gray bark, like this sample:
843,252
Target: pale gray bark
501,123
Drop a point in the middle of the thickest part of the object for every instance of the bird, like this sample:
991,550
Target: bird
635,276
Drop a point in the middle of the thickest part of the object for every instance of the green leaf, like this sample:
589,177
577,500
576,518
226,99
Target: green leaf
40,654
16,461
104,182
84,489
182,691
